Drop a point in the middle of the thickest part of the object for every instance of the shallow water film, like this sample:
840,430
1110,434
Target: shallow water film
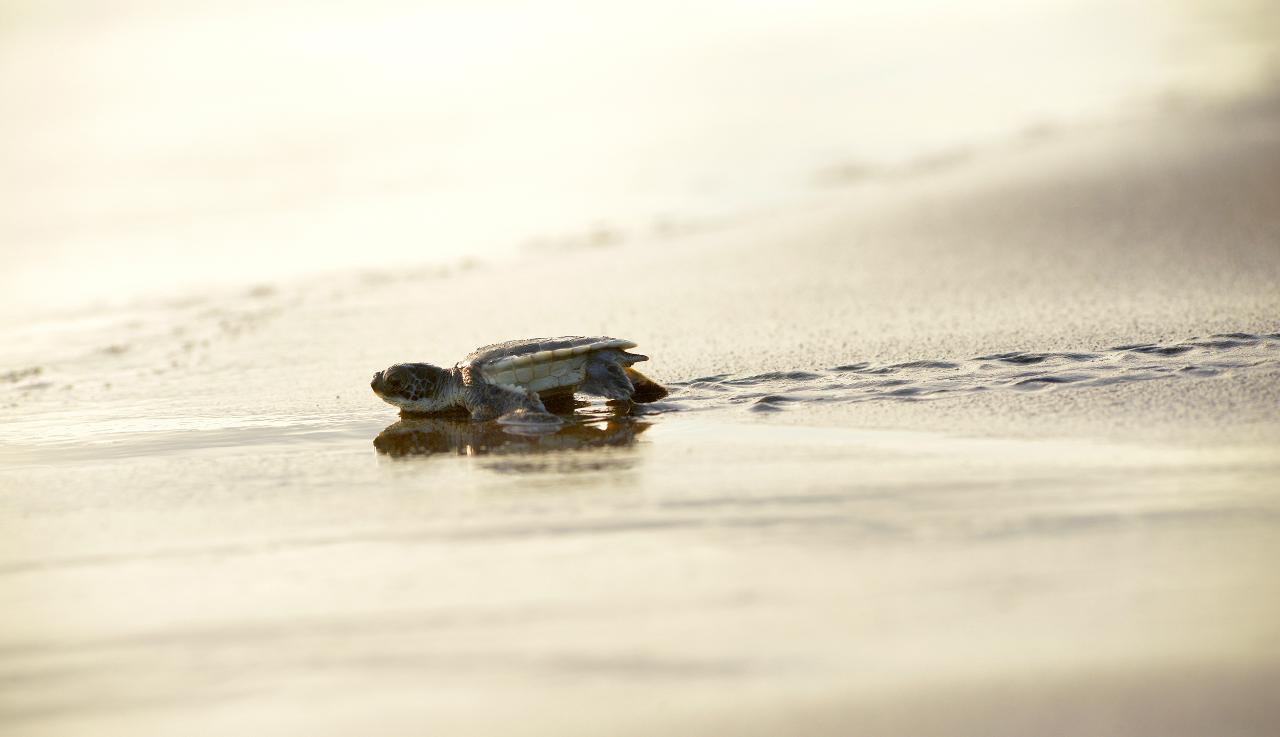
969,318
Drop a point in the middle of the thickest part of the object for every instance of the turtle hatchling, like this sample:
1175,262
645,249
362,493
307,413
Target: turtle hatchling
510,381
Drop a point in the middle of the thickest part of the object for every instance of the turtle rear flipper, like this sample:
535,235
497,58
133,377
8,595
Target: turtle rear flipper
646,389
607,377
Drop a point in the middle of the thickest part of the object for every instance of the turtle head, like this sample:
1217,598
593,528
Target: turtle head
415,387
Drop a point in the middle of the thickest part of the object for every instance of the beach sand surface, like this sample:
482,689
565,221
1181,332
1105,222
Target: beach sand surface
987,447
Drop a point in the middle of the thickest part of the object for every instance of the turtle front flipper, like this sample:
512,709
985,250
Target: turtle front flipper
508,405
523,421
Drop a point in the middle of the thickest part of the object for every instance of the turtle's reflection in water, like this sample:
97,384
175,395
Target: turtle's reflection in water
435,435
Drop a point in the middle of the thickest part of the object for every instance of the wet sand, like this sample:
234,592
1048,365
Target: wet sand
984,449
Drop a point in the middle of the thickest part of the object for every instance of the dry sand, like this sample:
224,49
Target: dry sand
985,449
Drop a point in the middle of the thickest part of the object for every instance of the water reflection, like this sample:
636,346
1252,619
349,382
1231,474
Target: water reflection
435,435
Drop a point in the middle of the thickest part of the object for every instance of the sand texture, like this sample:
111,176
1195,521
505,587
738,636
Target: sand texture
983,449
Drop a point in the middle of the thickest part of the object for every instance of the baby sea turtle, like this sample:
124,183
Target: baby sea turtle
510,381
